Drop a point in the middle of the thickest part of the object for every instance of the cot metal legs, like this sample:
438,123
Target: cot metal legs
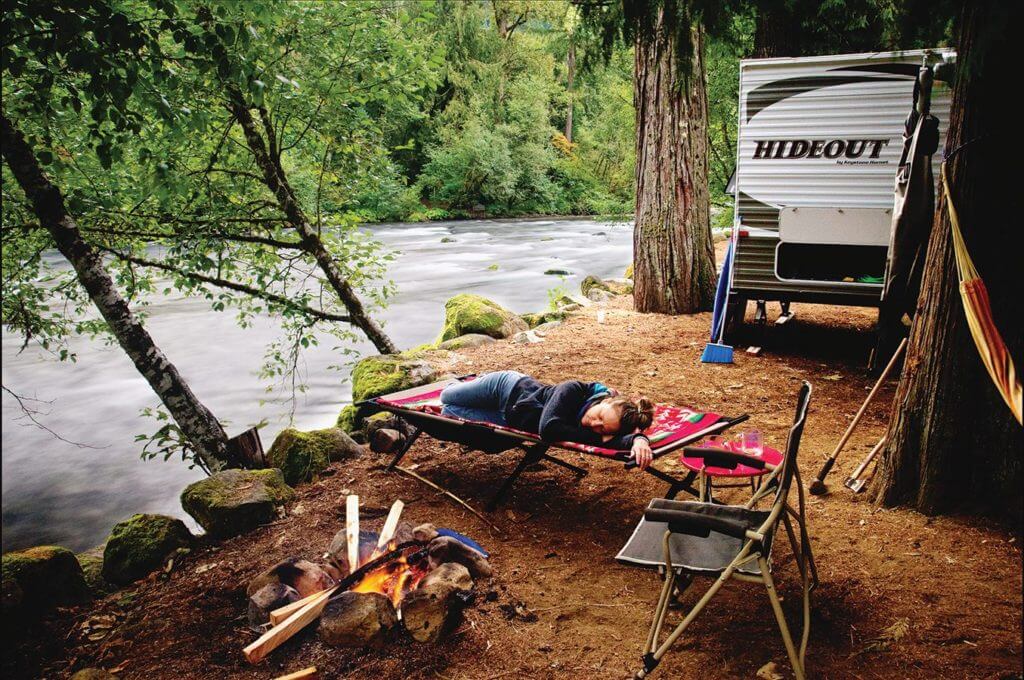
534,454
409,441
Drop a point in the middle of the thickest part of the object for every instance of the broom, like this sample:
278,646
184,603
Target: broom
716,352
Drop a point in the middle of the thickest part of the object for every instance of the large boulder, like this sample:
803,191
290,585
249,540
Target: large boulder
385,373
233,502
301,456
467,313
41,578
140,545
349,420
467,341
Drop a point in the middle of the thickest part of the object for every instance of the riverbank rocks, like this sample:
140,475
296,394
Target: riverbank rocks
233,502
467,313
533,320
467,341
595,289
621,286
557,272
41,578
140,545
301,456
92,569
377,375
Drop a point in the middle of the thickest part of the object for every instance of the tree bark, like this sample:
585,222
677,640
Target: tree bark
673,256
197,423
267,158
570,76
952,442
777,33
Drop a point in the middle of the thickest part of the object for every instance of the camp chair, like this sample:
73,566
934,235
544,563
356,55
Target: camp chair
672,428
687,539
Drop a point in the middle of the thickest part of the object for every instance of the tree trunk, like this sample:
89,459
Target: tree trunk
197,423
267,158
673,256
777,33
570,76
952,441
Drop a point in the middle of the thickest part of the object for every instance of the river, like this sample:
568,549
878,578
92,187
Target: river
57,492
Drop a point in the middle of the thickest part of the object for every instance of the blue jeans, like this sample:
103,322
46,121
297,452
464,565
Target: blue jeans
483,399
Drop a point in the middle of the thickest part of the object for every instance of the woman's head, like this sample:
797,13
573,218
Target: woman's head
619,415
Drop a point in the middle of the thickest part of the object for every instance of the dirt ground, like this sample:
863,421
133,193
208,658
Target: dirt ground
901,596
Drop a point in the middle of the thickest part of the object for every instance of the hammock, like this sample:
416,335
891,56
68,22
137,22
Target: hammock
978,309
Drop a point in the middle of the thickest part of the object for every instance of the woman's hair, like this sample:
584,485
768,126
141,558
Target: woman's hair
633,415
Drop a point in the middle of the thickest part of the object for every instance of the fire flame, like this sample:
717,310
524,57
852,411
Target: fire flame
393,580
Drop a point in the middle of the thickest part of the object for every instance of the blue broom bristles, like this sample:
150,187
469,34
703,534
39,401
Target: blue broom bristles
715,353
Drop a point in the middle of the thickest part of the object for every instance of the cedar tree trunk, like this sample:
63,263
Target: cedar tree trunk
197,423
952,442
673,257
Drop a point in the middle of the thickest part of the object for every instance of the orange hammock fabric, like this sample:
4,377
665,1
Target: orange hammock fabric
978,310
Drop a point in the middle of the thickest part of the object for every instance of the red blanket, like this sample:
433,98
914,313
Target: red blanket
671,423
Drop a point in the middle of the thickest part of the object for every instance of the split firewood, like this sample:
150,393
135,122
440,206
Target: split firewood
282,613
268,598
278,635
429,612
358,620
300,574
352,530
447,549
305,674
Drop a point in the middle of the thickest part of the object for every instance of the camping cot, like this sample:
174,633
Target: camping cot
673,427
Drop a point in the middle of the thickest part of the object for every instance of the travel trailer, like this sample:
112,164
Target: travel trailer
819,143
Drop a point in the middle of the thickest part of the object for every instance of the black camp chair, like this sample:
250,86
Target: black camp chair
690,538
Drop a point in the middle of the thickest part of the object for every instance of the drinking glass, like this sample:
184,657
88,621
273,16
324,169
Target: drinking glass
751,443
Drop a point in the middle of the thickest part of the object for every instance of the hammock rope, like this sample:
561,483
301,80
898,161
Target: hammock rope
978,310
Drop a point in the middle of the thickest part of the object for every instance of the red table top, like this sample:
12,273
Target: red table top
768,454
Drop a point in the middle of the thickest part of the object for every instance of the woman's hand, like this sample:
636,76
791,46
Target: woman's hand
642,453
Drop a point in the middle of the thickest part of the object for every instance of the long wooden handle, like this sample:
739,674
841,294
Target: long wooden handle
867,460
871,395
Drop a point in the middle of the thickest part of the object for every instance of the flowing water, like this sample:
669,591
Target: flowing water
59,492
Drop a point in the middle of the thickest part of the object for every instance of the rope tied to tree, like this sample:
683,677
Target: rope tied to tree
978,310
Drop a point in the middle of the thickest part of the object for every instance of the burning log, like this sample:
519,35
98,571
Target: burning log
304,576
358,620
447,549
268,598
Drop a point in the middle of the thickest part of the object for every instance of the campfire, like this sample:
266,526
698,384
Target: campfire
372,588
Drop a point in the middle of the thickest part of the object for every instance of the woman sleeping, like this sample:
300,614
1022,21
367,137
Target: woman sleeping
573,411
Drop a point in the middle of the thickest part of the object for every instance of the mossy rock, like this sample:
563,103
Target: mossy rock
385,373
93,674
628,274
140,545
301,456
348,420
541,318
557,272
447,239
468,313
233,502
92,569
592,283
467,341
41,578
619,286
